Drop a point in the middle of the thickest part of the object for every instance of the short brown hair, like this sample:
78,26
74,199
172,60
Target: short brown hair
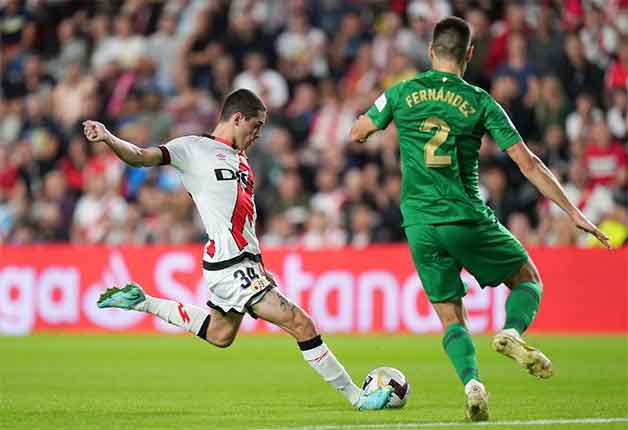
243,101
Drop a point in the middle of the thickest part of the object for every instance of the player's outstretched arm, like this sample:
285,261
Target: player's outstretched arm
131,154
544,180
362,128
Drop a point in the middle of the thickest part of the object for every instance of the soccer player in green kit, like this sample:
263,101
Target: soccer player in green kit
440,121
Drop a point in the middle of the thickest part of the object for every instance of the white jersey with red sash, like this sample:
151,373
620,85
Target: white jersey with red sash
220,181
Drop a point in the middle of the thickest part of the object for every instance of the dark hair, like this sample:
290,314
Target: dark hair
451,38
243,101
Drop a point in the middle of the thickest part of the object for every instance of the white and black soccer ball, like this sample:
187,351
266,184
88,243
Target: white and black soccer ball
383,376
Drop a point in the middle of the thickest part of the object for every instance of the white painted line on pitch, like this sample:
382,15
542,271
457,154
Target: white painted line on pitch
421,425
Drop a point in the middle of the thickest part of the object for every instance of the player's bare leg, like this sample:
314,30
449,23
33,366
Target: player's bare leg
277,309
219,330
521,307
459,347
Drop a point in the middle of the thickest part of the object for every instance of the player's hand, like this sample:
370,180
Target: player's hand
95,131
584,224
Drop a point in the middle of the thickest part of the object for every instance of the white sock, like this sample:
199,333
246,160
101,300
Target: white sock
323,361
471,384
188,317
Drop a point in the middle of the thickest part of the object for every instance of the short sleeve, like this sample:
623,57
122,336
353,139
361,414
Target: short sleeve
176,153
381,112
499,126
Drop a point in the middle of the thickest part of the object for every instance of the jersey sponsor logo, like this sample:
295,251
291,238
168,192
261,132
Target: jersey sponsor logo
231,175
380,103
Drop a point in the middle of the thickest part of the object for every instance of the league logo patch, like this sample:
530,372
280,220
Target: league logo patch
380,103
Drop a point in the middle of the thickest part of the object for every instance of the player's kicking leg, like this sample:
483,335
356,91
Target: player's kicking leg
521,307
460,349
218,329
277,309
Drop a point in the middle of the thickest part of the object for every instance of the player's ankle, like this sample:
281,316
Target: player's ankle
471,384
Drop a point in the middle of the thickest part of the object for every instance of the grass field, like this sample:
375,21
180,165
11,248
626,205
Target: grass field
178,382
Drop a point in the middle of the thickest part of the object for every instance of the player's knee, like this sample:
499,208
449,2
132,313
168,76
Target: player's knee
527,273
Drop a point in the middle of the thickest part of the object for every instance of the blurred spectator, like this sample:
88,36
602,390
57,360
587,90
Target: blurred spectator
397,69
618,115
502,202
265,82
98,210
598,38
163,46
519,68
346,42
519,225
389,37
361,75
70,94
578,123
551,106
71,48
514,22
124,47
280,232
605,160
361,227
244,35
546,43
576,73
36,80
301,50
617,74
301,110
329,197
319,233
222,74
593,200
615,223
74,164
554,150
17,27
332,124
506,92
414,44
482,40
291,201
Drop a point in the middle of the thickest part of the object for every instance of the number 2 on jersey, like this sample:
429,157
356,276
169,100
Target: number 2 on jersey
442,131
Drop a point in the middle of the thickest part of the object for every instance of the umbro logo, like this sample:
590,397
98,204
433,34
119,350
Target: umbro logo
221,156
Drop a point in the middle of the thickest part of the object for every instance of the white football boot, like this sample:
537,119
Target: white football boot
476,408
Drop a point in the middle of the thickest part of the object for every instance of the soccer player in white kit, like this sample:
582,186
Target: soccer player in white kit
215,171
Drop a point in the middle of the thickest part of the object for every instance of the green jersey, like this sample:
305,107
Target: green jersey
440,121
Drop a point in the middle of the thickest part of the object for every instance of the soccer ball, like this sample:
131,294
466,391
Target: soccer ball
383,376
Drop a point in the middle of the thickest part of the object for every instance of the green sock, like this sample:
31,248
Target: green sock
521,305
459,347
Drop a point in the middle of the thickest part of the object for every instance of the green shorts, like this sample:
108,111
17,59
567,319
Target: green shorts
486,249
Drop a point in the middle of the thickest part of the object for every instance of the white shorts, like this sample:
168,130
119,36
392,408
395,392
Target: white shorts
237,287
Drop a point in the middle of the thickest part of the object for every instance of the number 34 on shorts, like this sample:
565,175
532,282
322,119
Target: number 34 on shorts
249,278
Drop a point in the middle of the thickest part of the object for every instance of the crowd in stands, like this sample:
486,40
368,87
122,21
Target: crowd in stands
152,70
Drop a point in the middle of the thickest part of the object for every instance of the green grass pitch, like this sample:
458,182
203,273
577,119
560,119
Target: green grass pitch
152,382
